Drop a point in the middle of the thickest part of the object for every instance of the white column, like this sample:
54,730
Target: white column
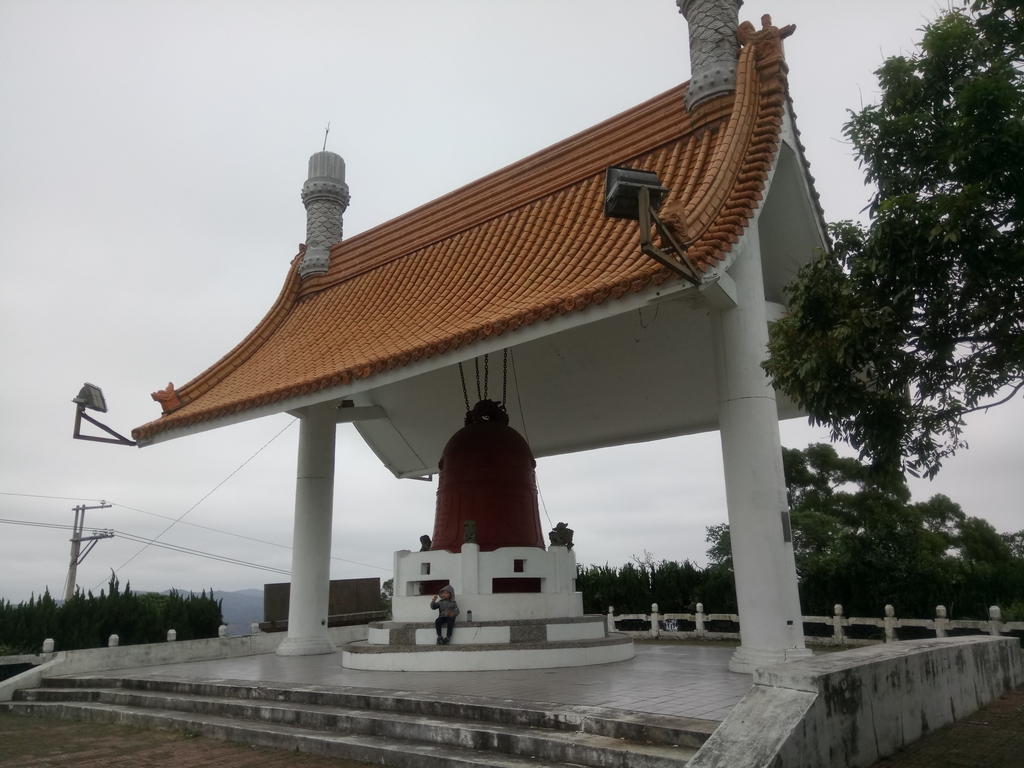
311,543
766,591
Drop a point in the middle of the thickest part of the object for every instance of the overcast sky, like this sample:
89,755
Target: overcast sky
151,157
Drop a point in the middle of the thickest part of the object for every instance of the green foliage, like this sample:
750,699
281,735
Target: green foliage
675,587
387,593
86,621
860,542
913,322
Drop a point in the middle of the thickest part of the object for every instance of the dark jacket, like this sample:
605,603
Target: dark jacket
443,606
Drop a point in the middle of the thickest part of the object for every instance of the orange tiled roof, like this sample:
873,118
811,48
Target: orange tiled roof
516,247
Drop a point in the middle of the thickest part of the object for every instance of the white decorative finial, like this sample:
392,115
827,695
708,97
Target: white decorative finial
714,49
325,195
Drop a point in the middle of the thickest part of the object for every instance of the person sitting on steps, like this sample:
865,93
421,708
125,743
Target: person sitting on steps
447,609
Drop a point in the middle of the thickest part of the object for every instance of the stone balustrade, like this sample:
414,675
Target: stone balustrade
677,626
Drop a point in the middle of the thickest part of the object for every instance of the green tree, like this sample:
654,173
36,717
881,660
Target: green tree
914,321
861,542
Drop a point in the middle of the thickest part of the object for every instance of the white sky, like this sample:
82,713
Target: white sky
151,156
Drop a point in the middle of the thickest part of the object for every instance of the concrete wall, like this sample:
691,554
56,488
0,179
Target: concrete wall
130,656
856,707
345,596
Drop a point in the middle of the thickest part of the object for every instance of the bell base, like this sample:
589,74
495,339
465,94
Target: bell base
470,657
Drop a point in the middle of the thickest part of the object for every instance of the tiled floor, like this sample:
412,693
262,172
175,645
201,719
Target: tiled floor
684,681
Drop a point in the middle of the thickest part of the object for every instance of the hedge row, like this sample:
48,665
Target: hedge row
87,621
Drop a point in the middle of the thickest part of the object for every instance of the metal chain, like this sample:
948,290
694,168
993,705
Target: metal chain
487,375
465,395
504,382
479,394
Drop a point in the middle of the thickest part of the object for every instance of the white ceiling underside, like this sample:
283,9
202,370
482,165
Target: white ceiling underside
643,374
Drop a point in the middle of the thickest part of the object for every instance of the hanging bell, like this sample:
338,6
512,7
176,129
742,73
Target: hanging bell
487,476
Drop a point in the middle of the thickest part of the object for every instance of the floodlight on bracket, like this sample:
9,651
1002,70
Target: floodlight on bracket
91,397
637,195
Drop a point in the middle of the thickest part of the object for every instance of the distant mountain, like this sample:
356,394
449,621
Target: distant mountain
240,608
250,593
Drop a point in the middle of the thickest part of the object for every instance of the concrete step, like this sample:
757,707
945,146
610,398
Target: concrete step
370,749
561,748
617,724
436,729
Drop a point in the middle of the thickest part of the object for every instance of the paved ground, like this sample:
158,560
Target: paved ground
684,681
33,742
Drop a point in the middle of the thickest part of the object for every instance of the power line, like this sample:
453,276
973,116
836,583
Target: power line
158,544
41,496
194,525
242,536
165,530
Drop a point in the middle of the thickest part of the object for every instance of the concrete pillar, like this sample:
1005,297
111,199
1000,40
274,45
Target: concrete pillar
766,591
940,621
311,542
838,636
470,569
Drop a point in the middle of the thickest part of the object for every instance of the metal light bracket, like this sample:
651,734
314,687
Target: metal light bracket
91,397
646,215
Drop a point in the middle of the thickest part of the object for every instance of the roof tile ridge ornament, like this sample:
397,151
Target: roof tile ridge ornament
325,196
167,398
768,40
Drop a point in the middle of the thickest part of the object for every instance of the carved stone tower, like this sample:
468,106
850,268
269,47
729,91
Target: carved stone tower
325,195
714,49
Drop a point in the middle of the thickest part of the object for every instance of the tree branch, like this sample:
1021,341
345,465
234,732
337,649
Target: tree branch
1006,399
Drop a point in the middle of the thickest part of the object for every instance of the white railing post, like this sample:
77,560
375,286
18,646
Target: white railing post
837,625
940,621
48,645
254,628
611,618
655,626
113,641
890,624
172,635
222,630
698,619
995,620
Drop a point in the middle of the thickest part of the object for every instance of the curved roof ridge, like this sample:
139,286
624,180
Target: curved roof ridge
242,351
629,133
539,248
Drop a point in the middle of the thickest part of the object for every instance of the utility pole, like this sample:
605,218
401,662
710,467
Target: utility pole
77,556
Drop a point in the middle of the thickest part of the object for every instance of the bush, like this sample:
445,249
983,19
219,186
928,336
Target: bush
86,621
675,587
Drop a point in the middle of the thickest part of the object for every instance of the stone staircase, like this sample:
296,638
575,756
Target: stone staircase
377,726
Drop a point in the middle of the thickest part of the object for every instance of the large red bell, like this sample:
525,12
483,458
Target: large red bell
487,476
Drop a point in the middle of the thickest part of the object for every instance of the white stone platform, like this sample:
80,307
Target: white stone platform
487,657
401,633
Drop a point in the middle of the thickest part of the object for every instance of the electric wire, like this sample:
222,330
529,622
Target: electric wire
158,544
41,496
182,522
204,498
242,536
526,433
